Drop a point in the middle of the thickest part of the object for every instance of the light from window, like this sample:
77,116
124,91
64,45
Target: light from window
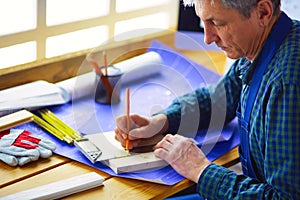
64,11
32,30
137,27
17,54
130,5
75,41
17,16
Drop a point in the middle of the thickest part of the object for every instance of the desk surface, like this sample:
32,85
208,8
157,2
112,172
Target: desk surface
44,171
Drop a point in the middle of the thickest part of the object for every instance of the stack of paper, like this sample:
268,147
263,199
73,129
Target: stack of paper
30,96
120,160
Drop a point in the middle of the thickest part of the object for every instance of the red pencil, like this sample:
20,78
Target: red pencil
127,117
92,61
105,63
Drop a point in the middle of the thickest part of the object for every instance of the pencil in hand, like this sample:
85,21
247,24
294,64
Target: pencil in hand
127,117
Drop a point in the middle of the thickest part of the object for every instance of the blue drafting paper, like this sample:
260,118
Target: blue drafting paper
213,137
191,40
178,75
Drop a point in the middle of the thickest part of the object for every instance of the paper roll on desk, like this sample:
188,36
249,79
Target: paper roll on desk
140,66
41,93
133,69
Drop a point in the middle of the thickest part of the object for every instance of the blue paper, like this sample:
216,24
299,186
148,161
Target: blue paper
178,75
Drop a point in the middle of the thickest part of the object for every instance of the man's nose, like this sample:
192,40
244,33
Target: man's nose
210,34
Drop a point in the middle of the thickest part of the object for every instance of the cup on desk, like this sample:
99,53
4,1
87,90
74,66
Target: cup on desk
108,86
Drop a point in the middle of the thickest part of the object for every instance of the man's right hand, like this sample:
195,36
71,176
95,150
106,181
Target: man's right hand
143,131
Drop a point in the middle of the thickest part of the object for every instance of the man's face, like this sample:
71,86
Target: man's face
235,34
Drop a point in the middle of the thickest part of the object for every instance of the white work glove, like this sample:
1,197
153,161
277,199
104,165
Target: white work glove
18,147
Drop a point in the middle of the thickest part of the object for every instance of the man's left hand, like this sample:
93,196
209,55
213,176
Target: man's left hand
183,155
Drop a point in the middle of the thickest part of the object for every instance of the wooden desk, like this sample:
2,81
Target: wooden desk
44,171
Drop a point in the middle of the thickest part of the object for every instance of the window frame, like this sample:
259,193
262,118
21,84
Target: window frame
42,32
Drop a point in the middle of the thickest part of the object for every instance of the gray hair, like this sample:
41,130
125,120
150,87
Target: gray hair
242,6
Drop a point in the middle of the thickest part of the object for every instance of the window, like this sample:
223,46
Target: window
34,30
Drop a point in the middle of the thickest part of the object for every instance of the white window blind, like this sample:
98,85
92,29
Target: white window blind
33,30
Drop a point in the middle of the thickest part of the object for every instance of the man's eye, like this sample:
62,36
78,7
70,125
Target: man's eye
212,22
217,24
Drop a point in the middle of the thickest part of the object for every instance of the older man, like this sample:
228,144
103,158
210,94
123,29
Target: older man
262,88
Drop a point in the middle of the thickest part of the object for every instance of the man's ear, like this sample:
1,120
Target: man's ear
264,11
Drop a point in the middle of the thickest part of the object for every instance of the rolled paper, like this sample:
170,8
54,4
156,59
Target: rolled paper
133,69
140,66
42,93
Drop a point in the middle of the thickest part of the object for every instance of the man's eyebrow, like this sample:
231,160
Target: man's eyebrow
209,19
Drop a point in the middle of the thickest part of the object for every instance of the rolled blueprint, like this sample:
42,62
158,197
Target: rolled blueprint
133,69
140,66
41,93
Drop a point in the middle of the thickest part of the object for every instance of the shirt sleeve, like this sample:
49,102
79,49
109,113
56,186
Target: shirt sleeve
217,182
206,106
281,155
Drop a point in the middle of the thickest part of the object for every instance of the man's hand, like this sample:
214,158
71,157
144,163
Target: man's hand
183,155
143,131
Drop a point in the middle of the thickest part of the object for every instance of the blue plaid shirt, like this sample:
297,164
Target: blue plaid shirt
274,126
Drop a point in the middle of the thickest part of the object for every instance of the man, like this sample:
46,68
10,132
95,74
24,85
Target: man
262,88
